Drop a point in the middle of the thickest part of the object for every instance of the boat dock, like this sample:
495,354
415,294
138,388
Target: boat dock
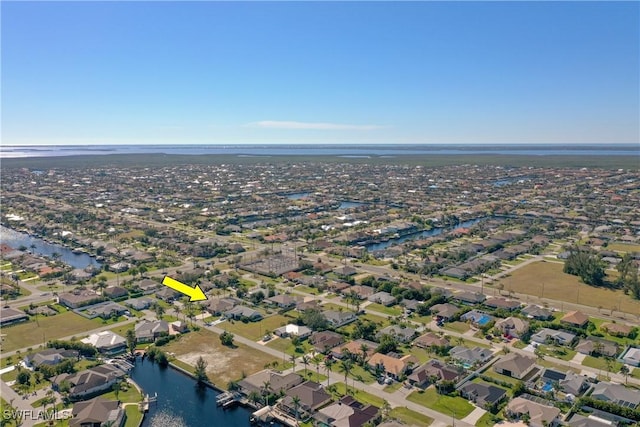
228,400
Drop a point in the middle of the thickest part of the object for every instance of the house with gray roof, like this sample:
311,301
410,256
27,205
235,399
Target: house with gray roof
9,316
278,382
514,365
445,311
470,356
97,412
90,381
483,395
595,345
536,312
632,356
139,304
339,318
149,331
243,312
403,335
512,327
107,342
616,393
546,335
50,356
384,298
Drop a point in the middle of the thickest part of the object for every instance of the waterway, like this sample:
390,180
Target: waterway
181,401
419,235
15,239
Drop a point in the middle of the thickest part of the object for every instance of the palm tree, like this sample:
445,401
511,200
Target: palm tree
296,406
364,349
305,362
266,388
624,370
292,358
327,365
316,360
254,397
346,366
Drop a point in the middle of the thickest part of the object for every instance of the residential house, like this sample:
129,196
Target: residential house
470,298
392,366
470,356
217,306
514,365
339,318
107,342
78,298
578,420
483,395
325,340
431,339
384,298
502,303
50,356
147,286
617,329
616,393
90,381
114,292
362,292
402,335
149,331
311,395
512,327
445,311
167,294
546,335
292,330
355,347
278,382
284,301
243,312
9,316
539,415
575,318
632,356
536,312
97,412
477,318
139,304
594,345
104,310
347,412
345,271
433,371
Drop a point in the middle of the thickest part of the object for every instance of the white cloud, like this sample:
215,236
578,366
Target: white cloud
273,124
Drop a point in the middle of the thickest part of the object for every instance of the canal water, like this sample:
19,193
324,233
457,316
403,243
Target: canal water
181,403
15,239
419,235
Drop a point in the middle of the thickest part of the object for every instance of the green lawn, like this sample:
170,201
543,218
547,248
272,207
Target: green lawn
255,330
410,417
493,374
393,387
285,345
459,327
456,406
360,395
601,363
307,289
487,420
391,311
53,327
636,373
134,416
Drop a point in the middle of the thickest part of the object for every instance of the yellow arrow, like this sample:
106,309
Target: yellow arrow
196,293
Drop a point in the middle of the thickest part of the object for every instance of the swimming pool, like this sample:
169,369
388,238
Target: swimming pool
547,387
484,320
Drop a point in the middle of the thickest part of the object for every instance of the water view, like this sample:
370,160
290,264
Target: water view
180,401
35,245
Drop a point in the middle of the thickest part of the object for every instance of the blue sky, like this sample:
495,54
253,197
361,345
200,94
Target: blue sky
320,72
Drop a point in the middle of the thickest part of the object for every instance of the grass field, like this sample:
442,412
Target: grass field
601,363
359,395
459,327
560,286
456,406
255,330
391,311
224,364
623,247
53,327
410,417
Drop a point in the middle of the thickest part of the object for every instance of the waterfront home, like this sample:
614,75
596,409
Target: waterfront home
546,335
432,372
512,327
278,382
539,415
323,341
514,365
402,335
393,367
292,330
311,395
97,412
483,395
149,331
616,393
9,316
107,342
575,318
347,412
90,381
50,356
339,318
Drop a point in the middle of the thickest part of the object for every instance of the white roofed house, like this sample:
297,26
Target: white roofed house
292,330
107,342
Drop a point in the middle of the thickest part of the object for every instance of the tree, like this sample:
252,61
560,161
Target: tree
116,389
201,371
387,344
266,389
364,349
296,406
226,338
624,370
346,366
159,310
254,397
292,358
314,319
305,362
327,364
585,264
131,341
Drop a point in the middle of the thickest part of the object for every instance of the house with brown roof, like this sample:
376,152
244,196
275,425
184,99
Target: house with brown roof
97,412
431,339
512,327
539,415
347,412
617,329
432,372
324,341
393,367
278,382
597,346
312,397
514,365
575,318
503,303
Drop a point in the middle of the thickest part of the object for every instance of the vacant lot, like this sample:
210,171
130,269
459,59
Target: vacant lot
33,333
456,406
532,278
224,364
255,330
